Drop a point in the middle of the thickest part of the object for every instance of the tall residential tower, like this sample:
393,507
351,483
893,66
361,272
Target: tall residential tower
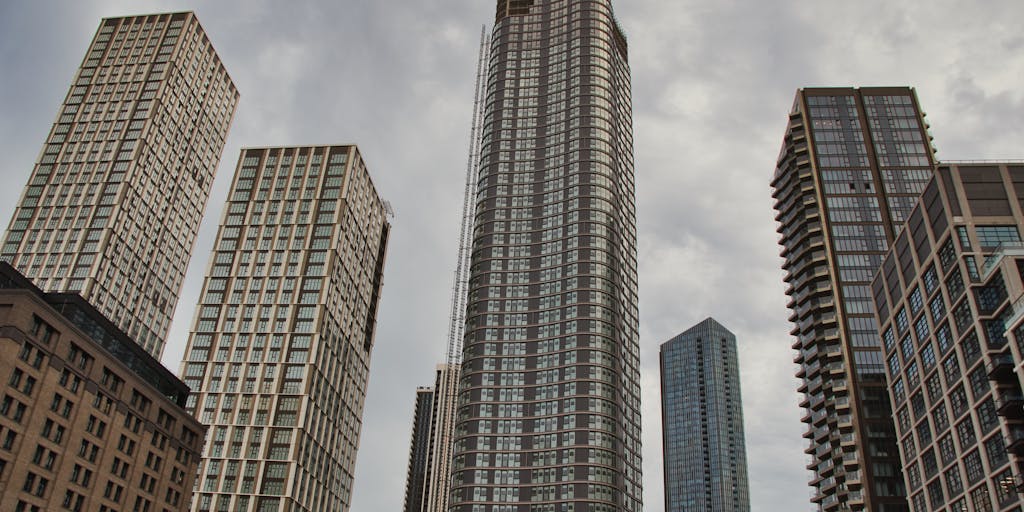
702,422
416,479
549,399
113,205
279,356
852,165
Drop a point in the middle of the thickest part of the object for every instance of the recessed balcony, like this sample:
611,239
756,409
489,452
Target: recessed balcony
1010,404
1015,440
1000,368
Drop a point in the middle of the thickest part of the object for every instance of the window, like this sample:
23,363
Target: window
962,316
947,451
990,237
935,496
980,497
965,433
954,483
901,321
972,463
979,382
1006,491
944,336
971,348
965,241
958,399
940,417
954,285
916,301
996,451
937,307
931,279
947,255
987,418
934,388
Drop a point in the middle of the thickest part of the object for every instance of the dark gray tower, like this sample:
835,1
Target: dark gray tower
549,398
419,450
702,422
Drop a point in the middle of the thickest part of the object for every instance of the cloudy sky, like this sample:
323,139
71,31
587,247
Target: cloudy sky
712,84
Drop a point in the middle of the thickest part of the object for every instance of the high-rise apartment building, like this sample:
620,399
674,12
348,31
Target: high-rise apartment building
419,450
430,454
702,422
280,352
549,399
88,419
852,165
113,205
949,300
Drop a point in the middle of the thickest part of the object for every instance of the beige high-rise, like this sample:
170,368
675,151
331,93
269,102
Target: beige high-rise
279,356
113,204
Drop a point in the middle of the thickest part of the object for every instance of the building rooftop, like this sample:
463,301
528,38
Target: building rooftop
104,333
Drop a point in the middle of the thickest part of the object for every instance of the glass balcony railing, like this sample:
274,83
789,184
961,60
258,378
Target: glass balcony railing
1002,250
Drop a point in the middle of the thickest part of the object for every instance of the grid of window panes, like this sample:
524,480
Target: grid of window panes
549,416
279,355
857,207
702,417
113,205
947,404
901,149
79,428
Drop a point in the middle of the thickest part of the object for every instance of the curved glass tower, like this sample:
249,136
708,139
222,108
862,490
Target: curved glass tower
549,401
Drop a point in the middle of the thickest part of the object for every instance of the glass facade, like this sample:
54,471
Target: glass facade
113,205
853,163
549,403
279,356
702,422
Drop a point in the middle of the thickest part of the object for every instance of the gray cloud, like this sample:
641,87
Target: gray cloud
712,83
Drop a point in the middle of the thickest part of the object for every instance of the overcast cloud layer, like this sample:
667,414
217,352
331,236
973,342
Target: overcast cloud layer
713,82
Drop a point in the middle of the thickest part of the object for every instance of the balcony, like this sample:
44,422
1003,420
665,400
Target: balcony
1015,440
1003,250
1010,404
1000,368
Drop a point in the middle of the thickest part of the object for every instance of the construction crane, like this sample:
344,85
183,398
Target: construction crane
448,375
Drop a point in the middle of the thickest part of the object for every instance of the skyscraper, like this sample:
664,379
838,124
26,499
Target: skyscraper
430,454
702,422
419,450
549,399
949,302
852,165
113,205
279,356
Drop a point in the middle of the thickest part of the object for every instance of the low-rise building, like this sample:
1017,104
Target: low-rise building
88,419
